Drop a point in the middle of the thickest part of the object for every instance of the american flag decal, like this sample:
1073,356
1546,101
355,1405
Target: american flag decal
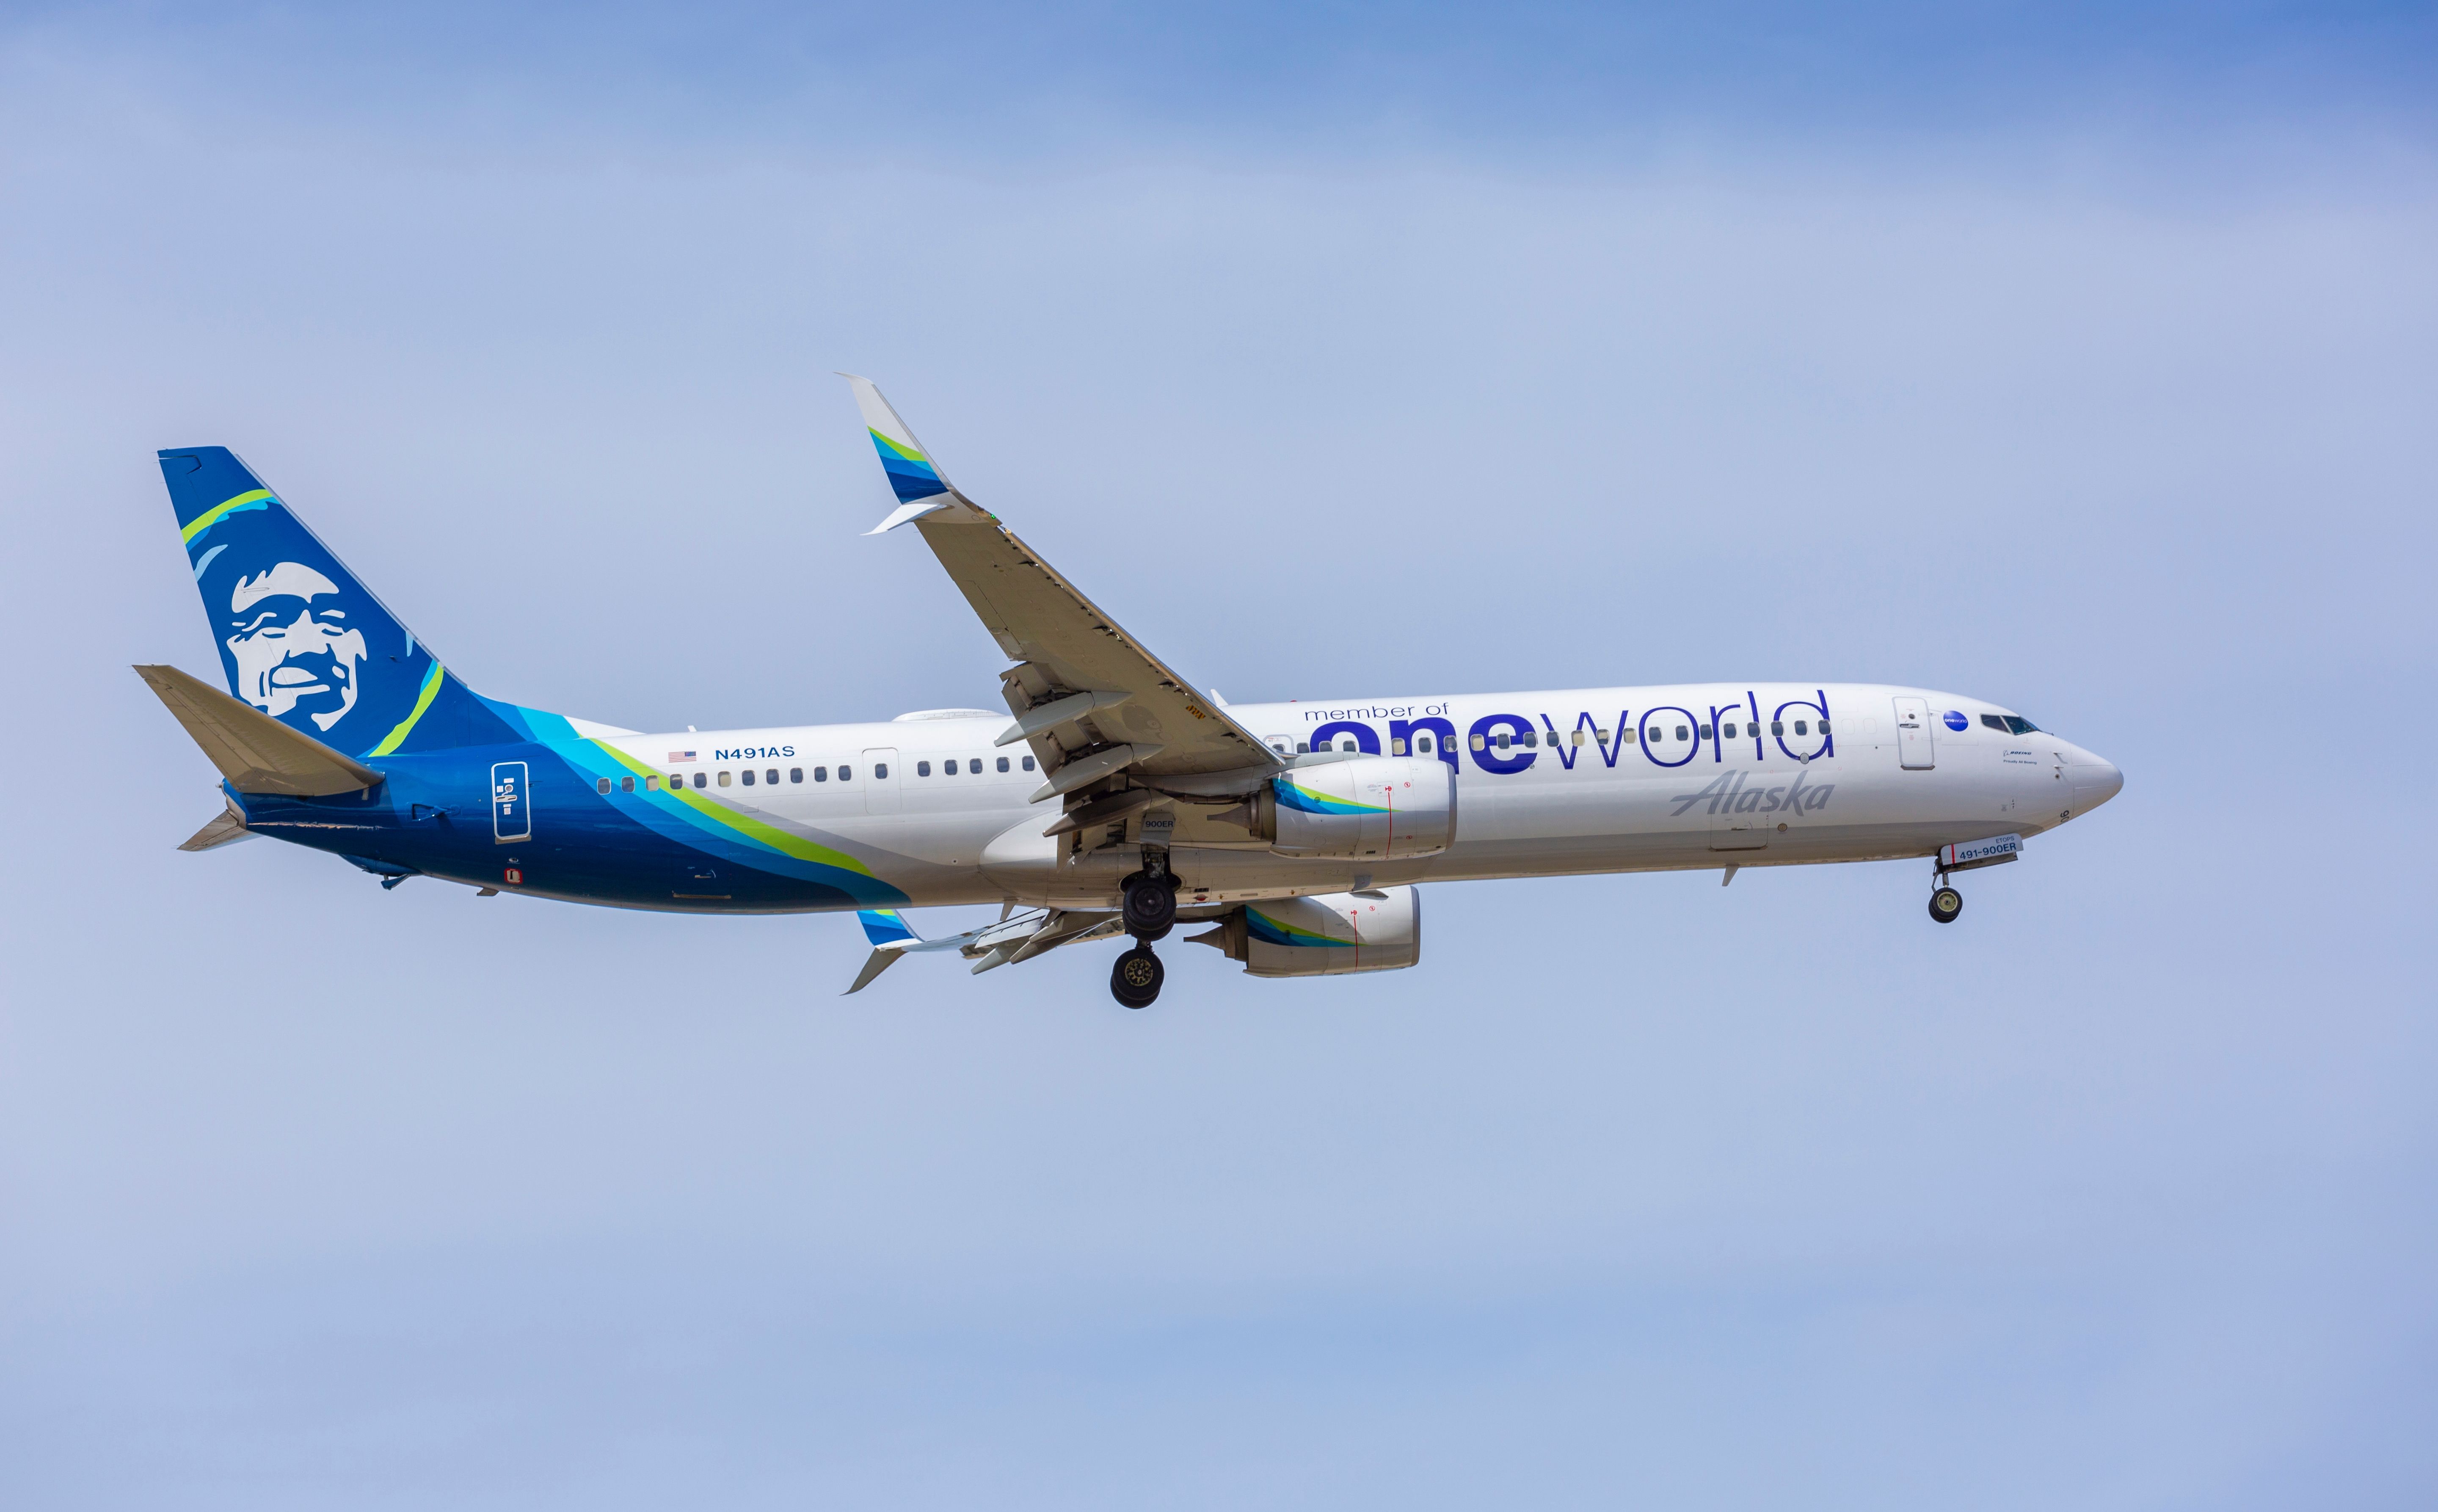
680,756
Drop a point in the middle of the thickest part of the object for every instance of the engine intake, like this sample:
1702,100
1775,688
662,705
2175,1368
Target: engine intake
1371,808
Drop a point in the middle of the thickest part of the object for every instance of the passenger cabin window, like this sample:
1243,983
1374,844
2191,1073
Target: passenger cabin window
605,784
702,779
1706,732
1002,763
1303,748
1396,746
1426,746
723,778
846,773
652,783
625,784
952,766
1530,740
1777,726
1823,726
820,774
1506,740
922,769
880,771
795,773
1346,745
1682,734
749,777
1800,728
1028,763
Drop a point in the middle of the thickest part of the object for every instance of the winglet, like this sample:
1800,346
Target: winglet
889,936
886,926
912,475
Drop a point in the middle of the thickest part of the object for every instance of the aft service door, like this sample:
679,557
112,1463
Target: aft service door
880,780
1914,750
511,805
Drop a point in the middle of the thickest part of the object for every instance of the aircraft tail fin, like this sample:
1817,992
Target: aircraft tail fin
306,643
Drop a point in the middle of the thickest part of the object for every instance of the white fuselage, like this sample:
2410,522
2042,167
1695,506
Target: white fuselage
1892,778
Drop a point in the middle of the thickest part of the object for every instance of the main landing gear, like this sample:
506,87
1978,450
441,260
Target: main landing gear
1135,979
1149,913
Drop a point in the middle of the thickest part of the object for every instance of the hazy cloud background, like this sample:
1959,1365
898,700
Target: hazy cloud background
2080,358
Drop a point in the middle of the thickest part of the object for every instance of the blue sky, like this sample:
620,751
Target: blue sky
2080,359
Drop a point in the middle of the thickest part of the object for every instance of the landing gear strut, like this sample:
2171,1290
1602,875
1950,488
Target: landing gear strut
1135,979
1149,913
1945,903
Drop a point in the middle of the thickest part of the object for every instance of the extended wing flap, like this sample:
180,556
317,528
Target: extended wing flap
254,750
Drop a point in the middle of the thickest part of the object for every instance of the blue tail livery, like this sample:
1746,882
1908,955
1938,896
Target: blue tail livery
300,639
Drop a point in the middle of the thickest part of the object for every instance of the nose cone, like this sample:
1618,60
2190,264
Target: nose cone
2095,782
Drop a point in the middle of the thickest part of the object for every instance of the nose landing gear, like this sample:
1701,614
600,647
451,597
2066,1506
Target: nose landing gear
1945,904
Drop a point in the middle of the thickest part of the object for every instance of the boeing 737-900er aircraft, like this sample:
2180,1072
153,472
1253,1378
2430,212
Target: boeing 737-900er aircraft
1114,796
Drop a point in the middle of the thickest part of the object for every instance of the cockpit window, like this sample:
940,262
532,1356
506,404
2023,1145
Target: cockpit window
1995,723
2016,724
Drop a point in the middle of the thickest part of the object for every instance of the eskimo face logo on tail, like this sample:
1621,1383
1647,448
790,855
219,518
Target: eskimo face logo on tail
294,648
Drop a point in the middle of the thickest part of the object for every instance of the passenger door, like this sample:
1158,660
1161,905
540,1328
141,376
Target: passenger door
880,791
1915,752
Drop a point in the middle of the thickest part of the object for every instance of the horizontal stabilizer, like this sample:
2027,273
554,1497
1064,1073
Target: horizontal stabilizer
227,828
254,750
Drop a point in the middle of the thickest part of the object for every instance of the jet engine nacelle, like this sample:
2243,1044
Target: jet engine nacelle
1325,934
1370,809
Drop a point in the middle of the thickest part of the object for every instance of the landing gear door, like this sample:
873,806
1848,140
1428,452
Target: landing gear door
880,791
1914,750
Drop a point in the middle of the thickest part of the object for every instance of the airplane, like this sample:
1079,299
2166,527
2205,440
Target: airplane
1113,799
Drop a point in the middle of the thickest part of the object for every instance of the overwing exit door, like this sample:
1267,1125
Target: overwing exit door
1914,750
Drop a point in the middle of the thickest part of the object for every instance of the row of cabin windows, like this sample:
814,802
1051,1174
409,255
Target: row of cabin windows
769,775
973,766
1509,741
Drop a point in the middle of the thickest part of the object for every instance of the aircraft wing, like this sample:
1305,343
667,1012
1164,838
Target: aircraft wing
1019,937
1092,699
